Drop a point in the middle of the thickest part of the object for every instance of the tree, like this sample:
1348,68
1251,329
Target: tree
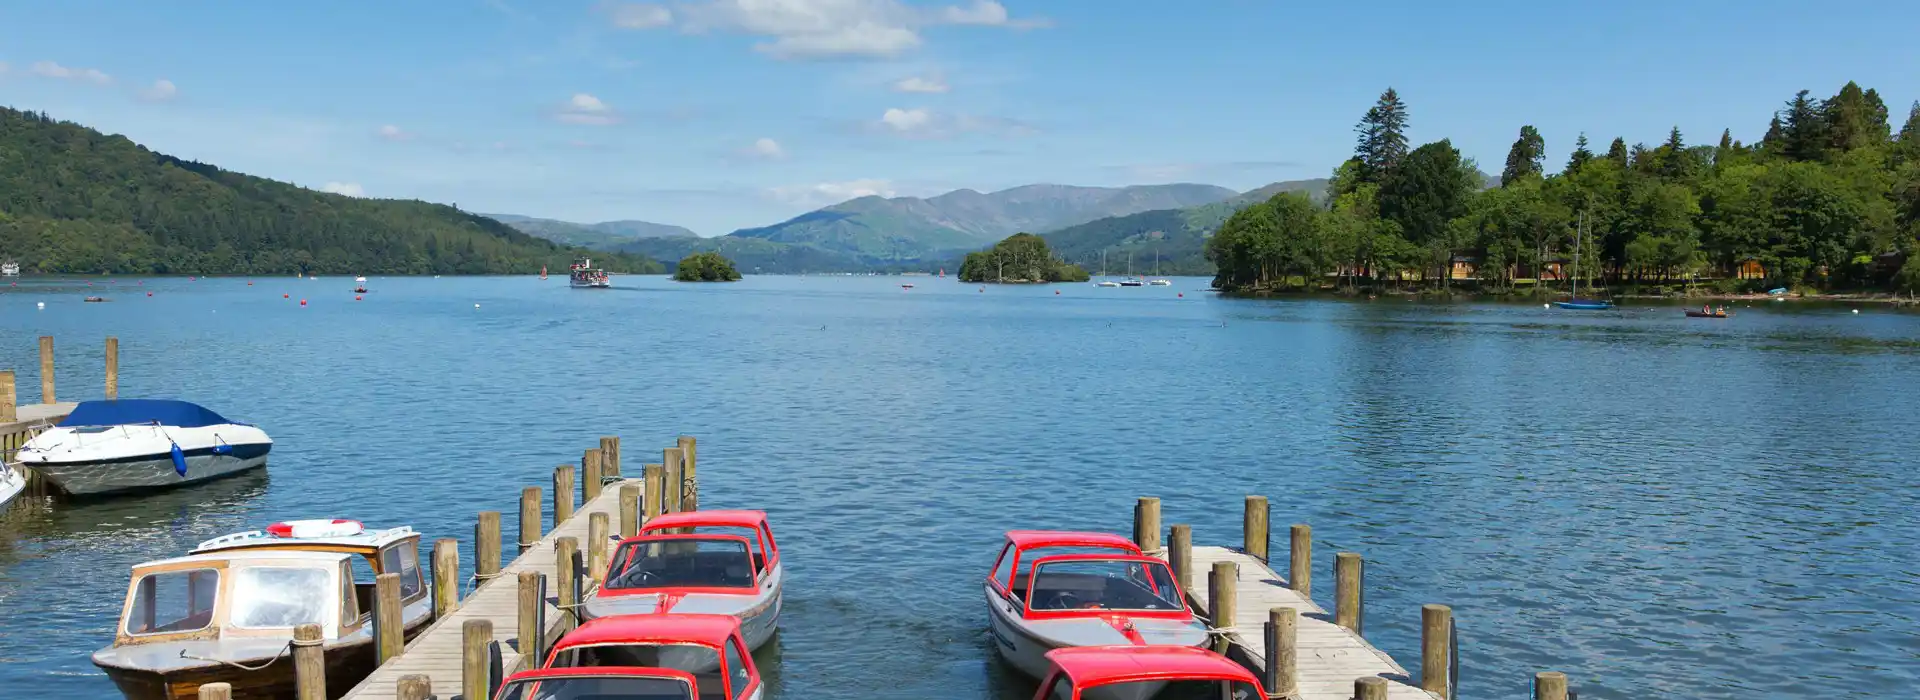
1804,131
1617,152
1581,156
1426,193
1907,148
1775,141
707,266
1525,157
1850,120
1022,258
1675,161
1383,137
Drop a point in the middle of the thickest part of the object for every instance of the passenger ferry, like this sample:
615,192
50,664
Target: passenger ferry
584,274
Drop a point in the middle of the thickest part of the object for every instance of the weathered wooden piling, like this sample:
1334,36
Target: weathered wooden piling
475,669
1146,524
591,470
113,368
564,582
1223,584
610,455
562,494
1254,527
486,545
597,547
653,493
689,474
1300,562
1346,591
389,629
216,691
8,397
1370,688
1436,628
446,576
46,369
413,686
309,663
1180,556
676,468
530,604
1550,685
530,525
629,510
1282,677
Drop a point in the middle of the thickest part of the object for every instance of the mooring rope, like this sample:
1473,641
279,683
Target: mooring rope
276,655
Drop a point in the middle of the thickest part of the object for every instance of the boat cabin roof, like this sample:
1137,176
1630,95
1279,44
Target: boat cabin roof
673,628
1030,539
369,540
707,518
1092,666
317,557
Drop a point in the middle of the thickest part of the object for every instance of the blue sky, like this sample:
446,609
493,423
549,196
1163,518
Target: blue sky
720,114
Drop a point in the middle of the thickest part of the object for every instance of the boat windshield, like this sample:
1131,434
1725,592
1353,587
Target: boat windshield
1103,584
597,688
278,596
692,562
692,658
1187,690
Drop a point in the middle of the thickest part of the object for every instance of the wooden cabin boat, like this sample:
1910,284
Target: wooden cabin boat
1175,673
716,562
1054,590
395,550
229,617
709,648
599,682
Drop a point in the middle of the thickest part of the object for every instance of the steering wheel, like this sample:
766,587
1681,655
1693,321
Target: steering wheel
1063,601
642,579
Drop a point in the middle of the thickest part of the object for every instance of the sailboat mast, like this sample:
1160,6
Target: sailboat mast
1579,238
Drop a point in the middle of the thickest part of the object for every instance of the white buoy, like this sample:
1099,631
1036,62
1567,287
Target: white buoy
476,306
1546,306
1856,311
40,305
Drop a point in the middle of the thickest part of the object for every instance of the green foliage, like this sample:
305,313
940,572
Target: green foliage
79,201
1581,156
705,267
1021,258
1528,153
1383,137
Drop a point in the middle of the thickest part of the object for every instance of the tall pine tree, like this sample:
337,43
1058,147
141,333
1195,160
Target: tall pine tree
1675,161
1775,141
1877,110
1804,131
1581,156
1849,120
1618,152
1525,157
1383,138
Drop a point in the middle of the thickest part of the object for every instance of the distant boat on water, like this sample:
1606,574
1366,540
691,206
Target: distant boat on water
359,285
583,275
1158,281
10,269
1577,303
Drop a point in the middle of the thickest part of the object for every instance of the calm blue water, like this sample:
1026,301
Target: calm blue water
1650,504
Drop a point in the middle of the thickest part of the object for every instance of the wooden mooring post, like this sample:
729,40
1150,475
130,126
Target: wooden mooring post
446,576
1370,688
216,691
653,493
531,604
309,663
486,545
565,582
591,469
676,479
1146,524
1223,584
113,368
1300,561
1180,556
413,686
46,370
562,494
1550,685
689,475
629,510
8,397
1282,677
475,669
1436,632
1254,528
389,628
610,455
597,547
530,525
1346,591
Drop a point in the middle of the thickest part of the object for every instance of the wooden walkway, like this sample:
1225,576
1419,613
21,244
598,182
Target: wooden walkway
436,652
1330,656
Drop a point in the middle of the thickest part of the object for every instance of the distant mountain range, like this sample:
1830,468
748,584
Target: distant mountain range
606,235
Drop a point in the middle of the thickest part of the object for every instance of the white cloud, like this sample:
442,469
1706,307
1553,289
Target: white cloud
586,109
935,84
49,69
907,120
824,193
767,148
350,189
923,123
394,133
639,15
161,91
804,29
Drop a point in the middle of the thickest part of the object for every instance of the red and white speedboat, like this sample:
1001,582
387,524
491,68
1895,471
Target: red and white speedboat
599,682
709,648
1056,590
1176,673
716,562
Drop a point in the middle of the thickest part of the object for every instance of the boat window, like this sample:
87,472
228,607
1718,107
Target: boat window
1004,568
274,596
1062,688
349,605
692,658
597,688
1191,690
753,541
737,676
1104,585
683,561
173,601
1029,556
403,559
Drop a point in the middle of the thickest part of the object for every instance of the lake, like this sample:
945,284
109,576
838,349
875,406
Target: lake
1659,507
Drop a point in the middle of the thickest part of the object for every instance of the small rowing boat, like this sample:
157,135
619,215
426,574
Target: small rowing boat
1692,313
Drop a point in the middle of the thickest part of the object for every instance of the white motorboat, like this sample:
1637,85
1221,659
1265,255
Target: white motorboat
1106,283
12,482
715,562
141,444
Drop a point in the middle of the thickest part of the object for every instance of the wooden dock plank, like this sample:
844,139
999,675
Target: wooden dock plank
436,652
1330,656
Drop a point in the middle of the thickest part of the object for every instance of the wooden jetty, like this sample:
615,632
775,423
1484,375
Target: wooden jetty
19,423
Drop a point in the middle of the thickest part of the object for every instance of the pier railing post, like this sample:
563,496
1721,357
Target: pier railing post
564,549
1436,628
216,691
653,496
1550,685
8,397
475,669
413,686
1283,657
533,602
1254,527
389,629
46,369
309,663
689,475
1180,556
113,368
1146,524
446,576
629,509
1370,688
562,494
610,455
486,545
591,470
1346,591
676,479
1300,563
597,547
530,525
1222,589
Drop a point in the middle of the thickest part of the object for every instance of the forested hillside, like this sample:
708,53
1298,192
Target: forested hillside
74,200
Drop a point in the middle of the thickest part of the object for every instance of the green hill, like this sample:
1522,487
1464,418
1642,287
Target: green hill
606,235
1177,236
74,200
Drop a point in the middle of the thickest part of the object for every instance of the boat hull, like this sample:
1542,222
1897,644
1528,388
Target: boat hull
149,472
347,665
12,483
1580,306
1024,645
759,612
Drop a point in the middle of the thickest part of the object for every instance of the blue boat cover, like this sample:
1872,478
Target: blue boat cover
142,412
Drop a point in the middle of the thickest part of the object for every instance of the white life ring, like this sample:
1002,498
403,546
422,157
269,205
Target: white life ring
306,529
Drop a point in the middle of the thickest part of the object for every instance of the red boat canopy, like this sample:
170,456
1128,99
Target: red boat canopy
675,628
1029,539
708,518
1093,666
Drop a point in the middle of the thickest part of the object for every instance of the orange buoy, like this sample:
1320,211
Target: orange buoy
303,302
356,297
249,283
286,296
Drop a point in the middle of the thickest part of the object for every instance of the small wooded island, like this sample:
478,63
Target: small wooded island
706,267
1022,258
